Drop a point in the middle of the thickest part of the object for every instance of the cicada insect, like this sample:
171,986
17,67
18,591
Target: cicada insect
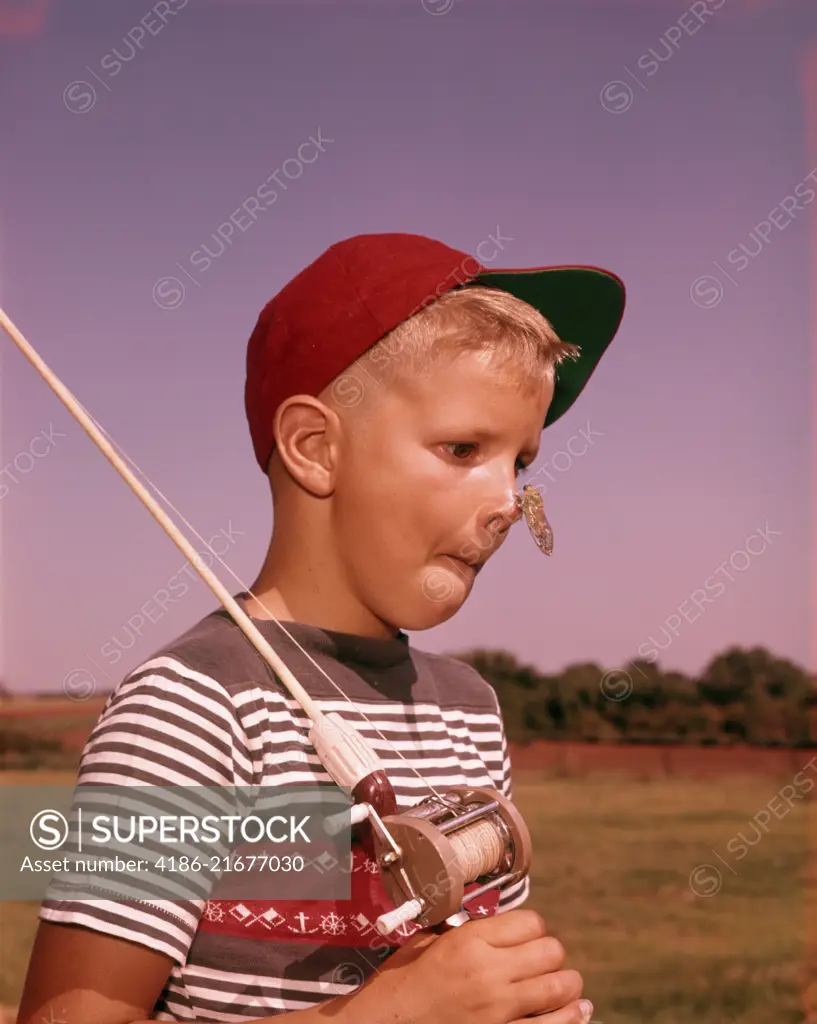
533,509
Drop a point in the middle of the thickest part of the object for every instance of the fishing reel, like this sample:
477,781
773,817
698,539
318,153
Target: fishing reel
429,854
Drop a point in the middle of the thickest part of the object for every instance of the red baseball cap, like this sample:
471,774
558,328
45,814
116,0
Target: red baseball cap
361,288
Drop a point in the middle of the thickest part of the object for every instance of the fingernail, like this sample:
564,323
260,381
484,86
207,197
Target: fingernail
587,1008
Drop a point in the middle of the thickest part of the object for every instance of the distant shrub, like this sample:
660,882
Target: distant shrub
20,749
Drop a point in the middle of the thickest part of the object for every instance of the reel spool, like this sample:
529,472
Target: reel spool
430,853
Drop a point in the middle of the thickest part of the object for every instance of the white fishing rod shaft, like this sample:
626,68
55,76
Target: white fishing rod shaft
242,619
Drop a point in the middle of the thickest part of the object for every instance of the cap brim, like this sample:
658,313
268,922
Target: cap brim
585,306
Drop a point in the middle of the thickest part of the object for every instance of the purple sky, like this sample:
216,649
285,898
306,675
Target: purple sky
489,116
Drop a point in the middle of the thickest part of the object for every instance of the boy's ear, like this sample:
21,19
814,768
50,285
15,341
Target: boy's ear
307,434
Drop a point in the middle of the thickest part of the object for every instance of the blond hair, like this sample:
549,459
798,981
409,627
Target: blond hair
516,339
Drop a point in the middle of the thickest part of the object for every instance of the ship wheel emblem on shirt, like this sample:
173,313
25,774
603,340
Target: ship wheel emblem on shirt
333,924
213,911
530,504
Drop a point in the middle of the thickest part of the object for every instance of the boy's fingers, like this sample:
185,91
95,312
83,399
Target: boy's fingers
573,1013
509,929
533,959
549,992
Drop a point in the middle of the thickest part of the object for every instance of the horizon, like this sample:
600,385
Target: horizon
79,692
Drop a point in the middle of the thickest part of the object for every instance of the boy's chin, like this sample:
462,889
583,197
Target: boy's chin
441,594
428,618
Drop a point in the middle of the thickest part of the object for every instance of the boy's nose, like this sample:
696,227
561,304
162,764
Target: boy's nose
504,518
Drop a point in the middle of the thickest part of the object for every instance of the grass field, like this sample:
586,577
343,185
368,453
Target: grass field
611,875
613,860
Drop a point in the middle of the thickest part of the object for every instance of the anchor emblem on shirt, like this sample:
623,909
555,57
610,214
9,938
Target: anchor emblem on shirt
303,930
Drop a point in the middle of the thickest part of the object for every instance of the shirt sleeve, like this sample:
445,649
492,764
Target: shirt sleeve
164,725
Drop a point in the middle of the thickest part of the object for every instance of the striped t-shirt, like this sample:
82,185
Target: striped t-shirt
207,710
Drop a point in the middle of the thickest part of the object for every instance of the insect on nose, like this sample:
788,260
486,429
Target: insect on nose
532,507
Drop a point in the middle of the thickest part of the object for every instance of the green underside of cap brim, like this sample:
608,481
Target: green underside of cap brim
585,307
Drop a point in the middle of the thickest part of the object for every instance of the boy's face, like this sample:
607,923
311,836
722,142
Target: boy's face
426,484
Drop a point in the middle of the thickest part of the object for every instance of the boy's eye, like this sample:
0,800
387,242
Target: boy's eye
470,446
462,449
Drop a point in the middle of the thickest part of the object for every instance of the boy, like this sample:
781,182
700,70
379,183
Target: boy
395,391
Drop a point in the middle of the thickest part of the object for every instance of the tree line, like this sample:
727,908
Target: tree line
743,696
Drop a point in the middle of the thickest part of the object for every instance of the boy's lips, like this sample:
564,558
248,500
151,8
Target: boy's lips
474,566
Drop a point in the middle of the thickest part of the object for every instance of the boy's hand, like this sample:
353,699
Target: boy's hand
500,970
